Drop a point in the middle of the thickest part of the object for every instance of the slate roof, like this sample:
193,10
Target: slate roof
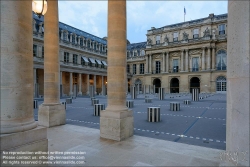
137,46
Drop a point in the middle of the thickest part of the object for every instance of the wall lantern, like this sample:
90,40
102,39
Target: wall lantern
39,7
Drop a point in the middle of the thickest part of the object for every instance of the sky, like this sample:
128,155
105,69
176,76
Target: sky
91,15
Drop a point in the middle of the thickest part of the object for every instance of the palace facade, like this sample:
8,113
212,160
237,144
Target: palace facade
181,56
177,57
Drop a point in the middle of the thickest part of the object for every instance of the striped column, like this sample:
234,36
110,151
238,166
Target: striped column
154,114
161,93
98,108
187,102
195,94
94,101
130,103
133,92
35,104
174,106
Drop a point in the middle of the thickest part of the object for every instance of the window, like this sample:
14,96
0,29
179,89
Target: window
42,51
127,54
75,59
66,57
81,42
157,67
94,46
195,64
142,52
221,60
135,53
82,62
88,44
158,39
134,68
196,33
73,39
128,68
175,65
65,37
138,52
141,68
221,29
34,50
221,84
175,36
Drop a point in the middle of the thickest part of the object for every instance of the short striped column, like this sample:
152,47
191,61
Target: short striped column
161,93
148,100
35,104
95,101
154,114
201,98
130,103
187,102
98,108
68,100
133,92
65,104
195,94
73,97
174,106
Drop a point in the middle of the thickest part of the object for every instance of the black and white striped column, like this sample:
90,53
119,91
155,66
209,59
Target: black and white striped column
68,100
174,106
65,104
98,108
187,102
95,101
35,104
130,103
161,93
195,94
133,92
148,100
154,114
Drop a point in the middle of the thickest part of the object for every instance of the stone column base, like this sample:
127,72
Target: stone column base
116,125
50,115
31,140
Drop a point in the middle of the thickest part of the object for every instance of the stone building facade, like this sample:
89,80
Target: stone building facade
180,57
83,60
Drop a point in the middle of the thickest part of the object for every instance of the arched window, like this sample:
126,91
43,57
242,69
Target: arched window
221,60
221,84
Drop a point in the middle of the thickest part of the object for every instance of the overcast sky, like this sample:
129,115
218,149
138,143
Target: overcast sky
91,16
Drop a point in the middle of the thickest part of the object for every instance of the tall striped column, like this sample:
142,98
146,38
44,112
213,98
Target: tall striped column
161,93
195,94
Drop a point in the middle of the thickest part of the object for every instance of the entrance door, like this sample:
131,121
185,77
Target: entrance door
174,85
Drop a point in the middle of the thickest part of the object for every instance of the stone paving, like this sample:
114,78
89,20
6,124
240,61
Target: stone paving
201,123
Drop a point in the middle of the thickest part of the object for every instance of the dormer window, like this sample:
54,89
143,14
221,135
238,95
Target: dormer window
142,52
158,39
135,53
81,42
65,37
222,29
73,39
175,36
196,33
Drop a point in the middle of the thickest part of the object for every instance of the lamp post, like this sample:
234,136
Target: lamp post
39,7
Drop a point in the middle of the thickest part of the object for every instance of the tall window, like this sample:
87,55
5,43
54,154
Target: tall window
222,29
175,36
196,33
128,68
221,84
221,60
88,44
175,65
157,67
34,50
42,51
66,57
141,68
158,39
134,68
195,64
65,36
75,59
73,39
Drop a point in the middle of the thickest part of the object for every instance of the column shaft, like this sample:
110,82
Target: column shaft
94,84
208,59
182,60
70,84
213,58
80,84
87,80
238,72
146,65
163,63
16,67
167,62
186,66
150,64
102,85
203,59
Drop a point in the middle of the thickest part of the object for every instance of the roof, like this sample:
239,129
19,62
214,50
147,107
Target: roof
137,46
70,29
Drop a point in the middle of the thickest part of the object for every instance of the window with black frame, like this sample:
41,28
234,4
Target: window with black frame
42,51
35,50
75,59
81,42
73,39
134,68
157,67
222,29
175,65
141,68
66,57
221,60
128,68
195,64
65,36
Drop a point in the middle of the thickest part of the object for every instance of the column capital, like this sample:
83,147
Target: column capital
186,50
203,47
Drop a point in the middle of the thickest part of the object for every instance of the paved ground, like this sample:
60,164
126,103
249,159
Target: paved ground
201,123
